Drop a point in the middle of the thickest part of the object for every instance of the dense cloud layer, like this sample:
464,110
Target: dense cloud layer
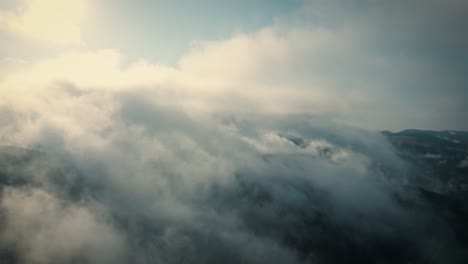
120,178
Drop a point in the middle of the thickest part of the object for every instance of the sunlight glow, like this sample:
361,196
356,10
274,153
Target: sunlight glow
55,21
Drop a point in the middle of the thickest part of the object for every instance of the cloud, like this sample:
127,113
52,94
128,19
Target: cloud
135,180
52,21
238,154
366,63
354,62
47,229
211,78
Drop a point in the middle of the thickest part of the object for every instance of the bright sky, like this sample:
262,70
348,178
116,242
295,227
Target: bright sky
374,64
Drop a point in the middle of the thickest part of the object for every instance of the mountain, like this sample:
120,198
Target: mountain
441,155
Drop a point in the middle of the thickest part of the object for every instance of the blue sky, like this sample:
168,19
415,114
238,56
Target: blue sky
163,30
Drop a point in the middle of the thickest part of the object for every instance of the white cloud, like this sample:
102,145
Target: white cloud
262,72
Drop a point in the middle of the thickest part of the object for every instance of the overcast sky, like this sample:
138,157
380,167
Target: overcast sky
372,64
